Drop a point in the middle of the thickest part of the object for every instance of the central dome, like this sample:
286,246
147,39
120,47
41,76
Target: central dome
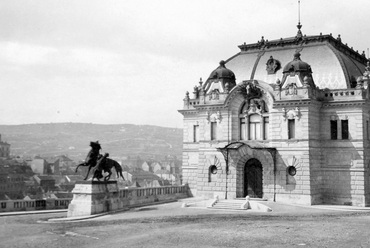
297,65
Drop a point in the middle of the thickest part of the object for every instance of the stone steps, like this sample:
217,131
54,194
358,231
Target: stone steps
239,204
229,204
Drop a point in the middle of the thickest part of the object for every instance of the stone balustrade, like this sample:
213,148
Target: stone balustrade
117,198
332,95
31,205
94,197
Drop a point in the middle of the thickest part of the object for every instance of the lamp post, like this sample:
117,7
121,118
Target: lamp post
227,170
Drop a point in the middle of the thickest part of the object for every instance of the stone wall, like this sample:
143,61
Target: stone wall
366,154
343,168
94,197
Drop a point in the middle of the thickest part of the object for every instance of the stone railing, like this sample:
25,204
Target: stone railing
157,192
93,197
31,205
332,95
124,197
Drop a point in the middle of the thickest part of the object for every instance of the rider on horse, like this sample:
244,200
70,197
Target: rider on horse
93,155
100,163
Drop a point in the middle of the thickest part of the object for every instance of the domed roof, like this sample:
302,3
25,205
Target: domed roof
334,64
297,65
222,72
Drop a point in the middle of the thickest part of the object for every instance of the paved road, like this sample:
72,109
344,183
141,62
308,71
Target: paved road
169,225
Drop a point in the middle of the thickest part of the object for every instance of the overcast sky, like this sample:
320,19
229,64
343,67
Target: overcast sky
117,62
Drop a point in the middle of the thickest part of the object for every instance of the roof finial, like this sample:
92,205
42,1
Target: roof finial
299,12
299,26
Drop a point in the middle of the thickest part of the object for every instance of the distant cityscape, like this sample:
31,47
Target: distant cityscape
53,177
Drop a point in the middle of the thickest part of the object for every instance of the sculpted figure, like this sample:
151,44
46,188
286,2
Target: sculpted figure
248,89
367,70
92,157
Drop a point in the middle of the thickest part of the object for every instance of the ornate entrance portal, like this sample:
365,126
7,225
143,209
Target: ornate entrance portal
253,178
247,159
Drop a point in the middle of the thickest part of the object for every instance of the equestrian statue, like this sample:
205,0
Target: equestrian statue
100,163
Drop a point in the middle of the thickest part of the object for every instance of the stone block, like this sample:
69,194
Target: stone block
93,197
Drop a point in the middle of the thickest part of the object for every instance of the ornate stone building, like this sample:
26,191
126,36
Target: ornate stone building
286,120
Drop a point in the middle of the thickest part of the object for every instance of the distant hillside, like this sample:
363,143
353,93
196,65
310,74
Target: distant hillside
73,139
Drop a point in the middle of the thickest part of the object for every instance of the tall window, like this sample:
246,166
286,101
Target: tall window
333,129
196,133
213,130
255,127
243,135
254,120
291,128
242,129
345,133
266,128
367,130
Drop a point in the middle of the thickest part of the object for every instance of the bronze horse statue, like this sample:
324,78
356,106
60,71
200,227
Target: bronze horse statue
106,164
101,163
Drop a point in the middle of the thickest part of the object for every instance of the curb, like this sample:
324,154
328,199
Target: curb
33,212
82,218
79,218
331,207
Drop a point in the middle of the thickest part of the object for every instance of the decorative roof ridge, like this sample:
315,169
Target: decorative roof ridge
300,41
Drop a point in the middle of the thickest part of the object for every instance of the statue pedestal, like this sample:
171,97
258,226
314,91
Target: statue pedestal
93,197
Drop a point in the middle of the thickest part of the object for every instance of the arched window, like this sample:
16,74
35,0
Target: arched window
254,120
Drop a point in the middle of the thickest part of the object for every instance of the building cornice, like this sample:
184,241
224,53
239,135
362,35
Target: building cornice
304,41
305,102
344,104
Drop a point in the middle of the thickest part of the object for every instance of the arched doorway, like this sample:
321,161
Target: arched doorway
253,178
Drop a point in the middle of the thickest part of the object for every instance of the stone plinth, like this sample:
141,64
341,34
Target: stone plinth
93,197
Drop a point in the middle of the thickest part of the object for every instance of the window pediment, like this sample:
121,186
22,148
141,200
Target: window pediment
254,106
291,114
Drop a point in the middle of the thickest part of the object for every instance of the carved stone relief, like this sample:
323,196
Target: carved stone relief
250,90
255,106
214,117
293,161
214,95
272,65
291,113
291,89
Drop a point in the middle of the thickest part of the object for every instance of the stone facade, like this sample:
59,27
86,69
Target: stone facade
282,132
